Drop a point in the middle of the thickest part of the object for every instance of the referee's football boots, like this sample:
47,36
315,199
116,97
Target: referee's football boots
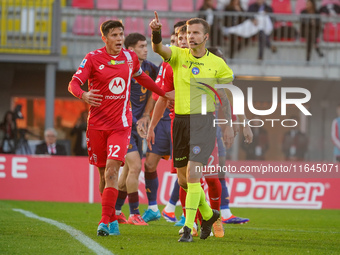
186,237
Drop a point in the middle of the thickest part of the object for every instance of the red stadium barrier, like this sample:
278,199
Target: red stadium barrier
72,179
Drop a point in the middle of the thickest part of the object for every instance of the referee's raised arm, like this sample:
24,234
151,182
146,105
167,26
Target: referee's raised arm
156,38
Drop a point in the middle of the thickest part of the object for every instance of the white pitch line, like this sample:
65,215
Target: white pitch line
292,230
76,234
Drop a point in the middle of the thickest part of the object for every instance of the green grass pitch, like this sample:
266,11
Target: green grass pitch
270,231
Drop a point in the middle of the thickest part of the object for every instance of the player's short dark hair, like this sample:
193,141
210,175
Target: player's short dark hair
180,23
106,26
199,21
182,29
133,38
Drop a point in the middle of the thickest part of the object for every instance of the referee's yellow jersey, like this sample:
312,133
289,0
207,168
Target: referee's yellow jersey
196,76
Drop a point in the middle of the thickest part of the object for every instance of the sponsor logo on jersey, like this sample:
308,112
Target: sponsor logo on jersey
115,62
79,72
115,97
195,70
158,80
82,64
101,67
130,63
185,66
117,85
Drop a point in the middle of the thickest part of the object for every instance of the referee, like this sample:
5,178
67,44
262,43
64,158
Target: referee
196,71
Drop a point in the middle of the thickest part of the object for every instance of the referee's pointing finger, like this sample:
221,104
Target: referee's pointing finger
156,17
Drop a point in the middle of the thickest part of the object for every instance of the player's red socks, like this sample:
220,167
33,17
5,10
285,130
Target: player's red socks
109,198
182,197
214,191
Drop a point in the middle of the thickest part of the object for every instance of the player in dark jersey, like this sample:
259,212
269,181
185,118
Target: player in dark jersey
109,71
141,108
161,149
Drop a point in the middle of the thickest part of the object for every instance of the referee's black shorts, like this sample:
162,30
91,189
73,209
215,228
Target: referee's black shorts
193,138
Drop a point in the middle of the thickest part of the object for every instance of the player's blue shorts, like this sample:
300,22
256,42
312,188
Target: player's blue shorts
163,143
136,142
222,152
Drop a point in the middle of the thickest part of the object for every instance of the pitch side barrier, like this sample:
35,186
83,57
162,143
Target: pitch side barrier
72,179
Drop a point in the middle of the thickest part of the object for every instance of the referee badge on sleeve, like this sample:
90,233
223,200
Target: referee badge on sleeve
196,150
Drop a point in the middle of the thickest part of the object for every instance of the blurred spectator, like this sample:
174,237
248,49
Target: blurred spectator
207,13
9,130
60,129
330,9
310,28
262,8
235,19
295,144
335,132
80,147
50,146
258,148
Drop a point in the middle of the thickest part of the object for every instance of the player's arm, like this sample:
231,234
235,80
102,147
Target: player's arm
158,112
228,132
156,39
143,122
247,133
145,80
91,97
334,133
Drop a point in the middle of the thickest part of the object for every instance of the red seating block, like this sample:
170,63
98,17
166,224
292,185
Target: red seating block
83,4
108,4
282,6
133,5
331,32
157,5
183,6
83,25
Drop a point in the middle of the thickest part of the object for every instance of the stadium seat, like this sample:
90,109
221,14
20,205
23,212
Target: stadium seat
282,6
165,28
324,2
251,2
133,5
83,25
331,32
83,4
182,6
199,4
108,4
157,5
299,6
103,19
134,25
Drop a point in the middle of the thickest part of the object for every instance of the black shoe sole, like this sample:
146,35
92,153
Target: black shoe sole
185,240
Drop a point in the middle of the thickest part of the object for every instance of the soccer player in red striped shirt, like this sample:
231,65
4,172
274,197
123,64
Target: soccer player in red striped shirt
109,71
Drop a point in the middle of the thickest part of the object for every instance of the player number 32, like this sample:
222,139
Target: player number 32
113,153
